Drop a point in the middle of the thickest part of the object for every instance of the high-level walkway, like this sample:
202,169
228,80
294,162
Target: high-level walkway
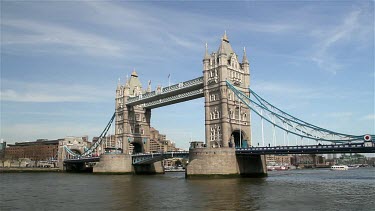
176,93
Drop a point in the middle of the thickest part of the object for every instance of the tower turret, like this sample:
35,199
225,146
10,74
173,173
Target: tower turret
226,121
127,89
206,59
118,89
245,62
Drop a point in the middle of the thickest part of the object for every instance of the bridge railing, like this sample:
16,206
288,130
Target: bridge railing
168,89
142,158
174,97
302,147
310,149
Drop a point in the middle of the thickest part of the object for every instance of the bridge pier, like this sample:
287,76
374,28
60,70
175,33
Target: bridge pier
154,168
252,165
114,163
77,167
122,164
223,162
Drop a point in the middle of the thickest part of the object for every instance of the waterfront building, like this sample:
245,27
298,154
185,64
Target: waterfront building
308,160
356,158
279,159
41,149
45,150
159,142
172,162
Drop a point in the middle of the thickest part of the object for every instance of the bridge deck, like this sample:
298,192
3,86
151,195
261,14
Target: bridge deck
148,158
176,93
308,149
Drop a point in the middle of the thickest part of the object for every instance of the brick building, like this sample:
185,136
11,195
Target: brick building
159,142
279,159
38,150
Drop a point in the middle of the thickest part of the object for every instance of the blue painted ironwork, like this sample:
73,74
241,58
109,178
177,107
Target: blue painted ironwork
309,149
89,151
279,118
174,98
174,93
83,160
139,159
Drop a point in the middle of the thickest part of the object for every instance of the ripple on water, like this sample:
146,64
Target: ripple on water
288,190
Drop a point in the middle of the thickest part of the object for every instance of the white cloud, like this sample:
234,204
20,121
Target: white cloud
324,55
37,33
134,28
43,92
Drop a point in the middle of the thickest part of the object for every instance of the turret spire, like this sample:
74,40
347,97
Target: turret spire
206,55
225,47
134,74
244,59
118,84
225,37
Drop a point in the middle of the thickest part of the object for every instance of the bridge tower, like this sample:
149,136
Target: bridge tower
132,122
227,121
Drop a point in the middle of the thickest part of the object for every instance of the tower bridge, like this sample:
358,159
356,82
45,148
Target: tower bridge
228,101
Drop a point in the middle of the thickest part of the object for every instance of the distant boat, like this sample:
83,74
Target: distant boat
353,166
339,167
277,168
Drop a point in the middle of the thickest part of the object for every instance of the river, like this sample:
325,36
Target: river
315,189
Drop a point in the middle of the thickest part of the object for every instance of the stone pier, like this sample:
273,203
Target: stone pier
154,168
114,164
223,162
122,164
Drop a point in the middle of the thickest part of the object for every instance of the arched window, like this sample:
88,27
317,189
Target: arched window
212,134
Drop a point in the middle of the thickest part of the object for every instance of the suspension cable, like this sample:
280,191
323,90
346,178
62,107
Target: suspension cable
288,119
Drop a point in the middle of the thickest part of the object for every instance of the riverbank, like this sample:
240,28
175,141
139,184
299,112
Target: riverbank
23,169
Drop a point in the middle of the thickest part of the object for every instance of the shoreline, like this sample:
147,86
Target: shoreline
27,170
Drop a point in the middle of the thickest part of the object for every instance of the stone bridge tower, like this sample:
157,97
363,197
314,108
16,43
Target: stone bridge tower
227,121
132,122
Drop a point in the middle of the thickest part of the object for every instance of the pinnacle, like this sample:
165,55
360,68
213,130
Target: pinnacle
134,74
225,37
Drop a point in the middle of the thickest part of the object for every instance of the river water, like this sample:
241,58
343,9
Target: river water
316,189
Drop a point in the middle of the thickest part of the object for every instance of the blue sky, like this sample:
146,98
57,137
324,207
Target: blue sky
60,61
